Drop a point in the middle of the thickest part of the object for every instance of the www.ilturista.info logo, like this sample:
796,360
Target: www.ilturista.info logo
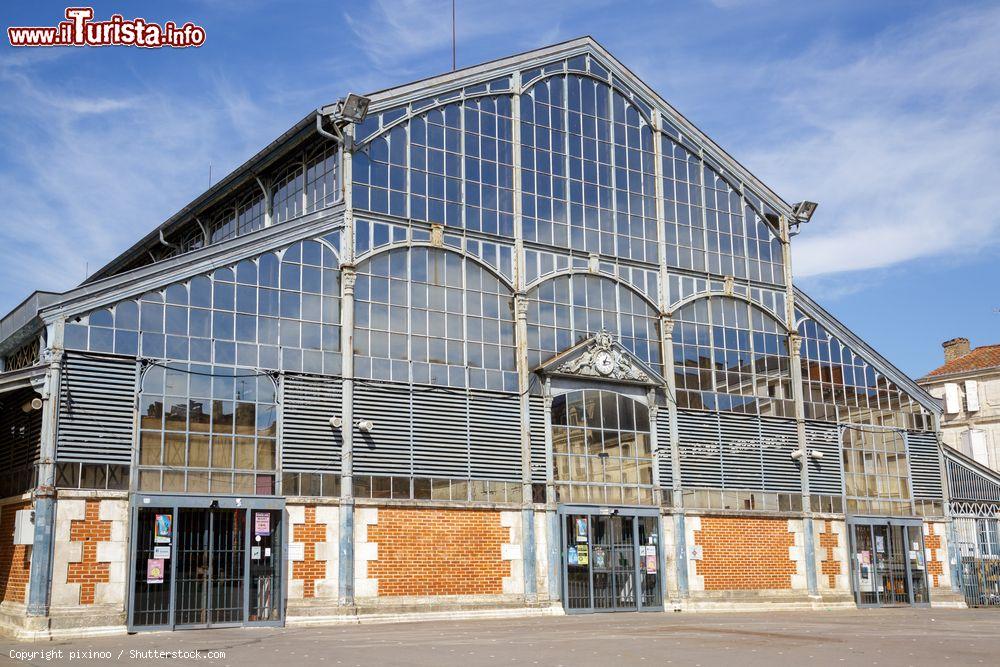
81,30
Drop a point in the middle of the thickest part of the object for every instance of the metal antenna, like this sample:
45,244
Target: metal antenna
454,60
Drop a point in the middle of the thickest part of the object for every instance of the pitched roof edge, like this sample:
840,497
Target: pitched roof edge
886,367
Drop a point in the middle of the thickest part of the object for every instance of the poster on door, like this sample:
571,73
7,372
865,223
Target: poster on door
572,556
261,524
154,571
581,529
582,554
164,528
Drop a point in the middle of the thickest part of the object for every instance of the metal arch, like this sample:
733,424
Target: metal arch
739,297
427,244
627,94
423,111
280,252
600,274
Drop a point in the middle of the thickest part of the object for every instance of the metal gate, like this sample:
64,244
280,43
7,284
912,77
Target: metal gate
202,562
611,559
887,562
977,540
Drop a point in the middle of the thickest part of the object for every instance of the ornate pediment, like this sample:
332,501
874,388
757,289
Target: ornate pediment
604,358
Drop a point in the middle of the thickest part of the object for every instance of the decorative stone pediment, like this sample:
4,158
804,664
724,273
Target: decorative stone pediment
601,357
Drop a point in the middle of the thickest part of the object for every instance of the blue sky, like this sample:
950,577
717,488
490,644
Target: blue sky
887,113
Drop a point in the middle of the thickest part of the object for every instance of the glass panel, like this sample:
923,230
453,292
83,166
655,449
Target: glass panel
577,528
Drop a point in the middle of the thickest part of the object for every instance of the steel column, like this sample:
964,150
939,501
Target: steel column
44,494
348,276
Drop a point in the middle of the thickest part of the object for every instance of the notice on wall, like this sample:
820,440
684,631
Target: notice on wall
582,554
261,523
164,528
255,553
581,529
161,551
154,571
695,552
296,551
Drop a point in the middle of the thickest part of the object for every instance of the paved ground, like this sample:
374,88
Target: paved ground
776,639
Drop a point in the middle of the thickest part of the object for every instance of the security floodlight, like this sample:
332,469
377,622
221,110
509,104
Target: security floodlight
33,404
816,454
365,426
336,422
797,454
803,211
354,108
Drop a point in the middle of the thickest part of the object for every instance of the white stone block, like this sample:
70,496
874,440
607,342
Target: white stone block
366,551
366,588
510,551
67,511
327,551
294,547
65,595
328,514
296,588
113,510
326,588
296,514
110,552
110,593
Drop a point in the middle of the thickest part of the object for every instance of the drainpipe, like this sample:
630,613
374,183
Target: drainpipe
44,494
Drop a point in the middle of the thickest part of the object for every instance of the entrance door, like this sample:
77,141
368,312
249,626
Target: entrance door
888,564
611,562
197,567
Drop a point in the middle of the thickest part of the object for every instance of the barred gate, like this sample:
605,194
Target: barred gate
977,540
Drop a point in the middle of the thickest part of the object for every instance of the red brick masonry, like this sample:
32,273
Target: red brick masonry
88,572
438,552
828,541
15,560
932,541
744,553
309,570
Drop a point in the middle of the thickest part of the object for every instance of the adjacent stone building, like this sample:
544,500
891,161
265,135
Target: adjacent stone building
968,386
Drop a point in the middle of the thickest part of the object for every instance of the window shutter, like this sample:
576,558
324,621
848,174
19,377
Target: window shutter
952,401
971,395
977,446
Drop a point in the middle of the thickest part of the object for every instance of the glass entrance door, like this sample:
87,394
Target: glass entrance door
887,564
611,562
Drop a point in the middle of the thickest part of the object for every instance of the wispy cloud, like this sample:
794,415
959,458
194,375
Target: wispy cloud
895,138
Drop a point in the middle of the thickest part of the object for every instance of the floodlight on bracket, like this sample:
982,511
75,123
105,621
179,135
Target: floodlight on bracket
802,212
343,112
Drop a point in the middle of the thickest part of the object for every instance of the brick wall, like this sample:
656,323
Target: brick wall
309,570
315,528
89,572
828,545
741,553
934,547
15,560
438,552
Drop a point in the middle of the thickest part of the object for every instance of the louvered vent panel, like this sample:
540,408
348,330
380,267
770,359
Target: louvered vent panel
536,406
96,409
698,434
386,450
495,437
309,443
440,434
663,444
741,452
925,464
824,473
20,432
779,438
968,484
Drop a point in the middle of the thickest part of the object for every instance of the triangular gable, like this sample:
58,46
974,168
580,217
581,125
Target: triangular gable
603,358
969,480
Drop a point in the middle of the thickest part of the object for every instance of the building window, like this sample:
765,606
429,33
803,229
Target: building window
601,447
207,429
876,472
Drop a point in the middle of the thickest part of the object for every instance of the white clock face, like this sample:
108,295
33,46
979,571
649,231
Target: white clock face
604,362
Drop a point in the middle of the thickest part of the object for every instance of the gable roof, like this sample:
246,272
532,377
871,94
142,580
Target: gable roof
578,361
982,358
